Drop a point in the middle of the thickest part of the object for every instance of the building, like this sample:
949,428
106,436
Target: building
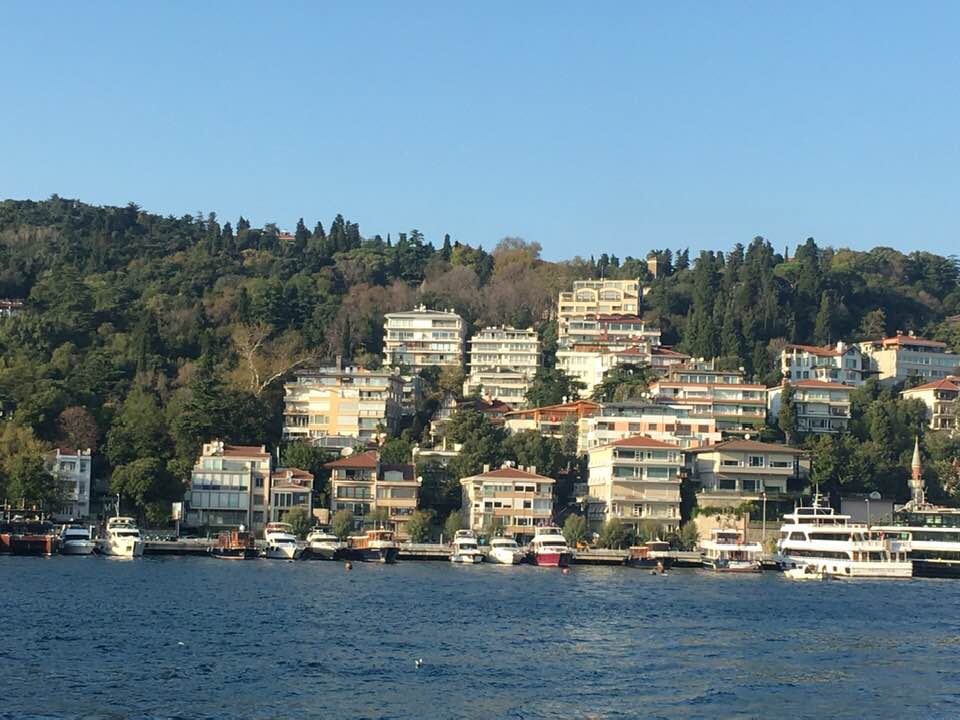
338,407
412,394
841,363
590,363
737,406
513,499
362,484
636,480
591,298
10,308
229,487
940,398
615,329
72,468
290,488
675,424
663,358
821,407
422,338
895,359
508,386
551,420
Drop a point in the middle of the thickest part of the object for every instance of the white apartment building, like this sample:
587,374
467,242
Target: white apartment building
610,329
896,358
339,407
941,398
422,338
513,499
821,407
229,486
589,363
72,469
503,361
636,480
841,363
591,298
675,424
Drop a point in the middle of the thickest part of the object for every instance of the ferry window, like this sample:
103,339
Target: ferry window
797,536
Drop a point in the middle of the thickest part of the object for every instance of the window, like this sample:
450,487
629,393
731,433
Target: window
756,461
258,482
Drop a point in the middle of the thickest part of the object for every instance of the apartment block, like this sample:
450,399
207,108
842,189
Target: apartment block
610,329
840,363
229,487
593,298
675,424
362,484
422,338
513,499
636,480
821,407
896,358
290,488
338,407
551,420
735,471
503,361
590,363
72,468
941,400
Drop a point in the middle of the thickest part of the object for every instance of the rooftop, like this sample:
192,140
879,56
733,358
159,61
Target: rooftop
747,446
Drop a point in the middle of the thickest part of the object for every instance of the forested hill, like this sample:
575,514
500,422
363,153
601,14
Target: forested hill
157,331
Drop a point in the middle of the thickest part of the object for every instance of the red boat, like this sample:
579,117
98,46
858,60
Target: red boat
234,545
549,548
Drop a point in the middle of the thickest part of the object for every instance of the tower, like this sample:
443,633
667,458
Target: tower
916,476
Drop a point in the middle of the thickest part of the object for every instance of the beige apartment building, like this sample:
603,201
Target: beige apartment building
941,400
896,358
840,363
675,424
636,480
362,484
503,361
821,407
614,329
513,499
290,488
229,487
422,338
590,363
592,298
338,407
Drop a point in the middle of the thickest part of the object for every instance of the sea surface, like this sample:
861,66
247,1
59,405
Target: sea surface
96,637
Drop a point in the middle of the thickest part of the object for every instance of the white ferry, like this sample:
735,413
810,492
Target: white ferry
828,541
465,549
122,538
281,542
933,534
505,551
549,548
726,551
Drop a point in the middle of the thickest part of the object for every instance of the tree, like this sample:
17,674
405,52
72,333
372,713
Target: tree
787,417
419,525
146,481
689,535
575,530
530,448
300,520
378,517
78,428
623,382
342,523
482,443
551,387
451,525
396,451
29,481
265,358
615,535
305,456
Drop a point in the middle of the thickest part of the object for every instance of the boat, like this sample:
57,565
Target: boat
549,548
281,542
652,554
817,535
31,537
504,551
76,540
374,546
465,549
805,572
234,545
324,545
122,538
726,551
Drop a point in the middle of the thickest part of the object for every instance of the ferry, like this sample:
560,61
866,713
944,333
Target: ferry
122,538
549,548
504,551
281,542
234,545
76,540
652,554
465,549
828,541
726,551
324,545
375,546
933,534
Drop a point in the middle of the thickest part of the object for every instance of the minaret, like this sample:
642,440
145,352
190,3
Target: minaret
916,476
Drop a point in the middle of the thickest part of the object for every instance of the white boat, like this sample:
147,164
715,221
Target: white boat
828,541
726,551
549,548
505,551
281,542
76,540
805,572
465,549
324,545
122,538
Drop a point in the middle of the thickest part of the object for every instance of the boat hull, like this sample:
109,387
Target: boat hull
650,562
325,552
936,568
466,559
36,545
78,547
127,549
733,566
551,559
852,569
504,557
282,552
380,555
233,553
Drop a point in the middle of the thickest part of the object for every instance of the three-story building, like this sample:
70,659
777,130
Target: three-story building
362,484
514,500
422,338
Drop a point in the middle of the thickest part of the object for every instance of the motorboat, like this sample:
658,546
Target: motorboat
76,540
281,543
805,572
465,549
726,551
324,545
122,538
652,554
549,548
504,551
234,545
374,546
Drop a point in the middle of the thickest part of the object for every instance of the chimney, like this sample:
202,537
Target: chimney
486,468
532,469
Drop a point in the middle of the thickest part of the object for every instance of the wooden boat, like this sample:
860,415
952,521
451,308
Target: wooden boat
374,546
234,545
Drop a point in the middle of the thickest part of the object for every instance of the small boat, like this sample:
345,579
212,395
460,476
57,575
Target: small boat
324,545
281,542
726,551
122,538
234,545
374,546
465,549
76,540
505,551
33,537
805,572
549,548
652,554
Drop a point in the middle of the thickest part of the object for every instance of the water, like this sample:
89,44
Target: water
197,638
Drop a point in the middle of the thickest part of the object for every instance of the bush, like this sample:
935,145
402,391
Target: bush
451,525
299,520
614,535
342,523
418,527
575,530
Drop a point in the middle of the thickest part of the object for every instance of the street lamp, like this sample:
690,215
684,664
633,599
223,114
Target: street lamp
763,522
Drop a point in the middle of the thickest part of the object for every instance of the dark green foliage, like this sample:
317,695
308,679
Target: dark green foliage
551,386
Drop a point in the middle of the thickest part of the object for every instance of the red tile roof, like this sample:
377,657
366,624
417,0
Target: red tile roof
911,340
815,350
943,384
642,441
667,351
515,474
748,446
366,459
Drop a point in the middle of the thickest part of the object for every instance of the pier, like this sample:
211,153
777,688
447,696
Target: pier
200,546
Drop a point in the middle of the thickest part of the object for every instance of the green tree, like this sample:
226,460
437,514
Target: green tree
787,417
575,530
342,523
551,386
396,451
451,525
146,480
689,536
300,520
378,517
530,448
29,481
482,443
623,382
615,535
419,525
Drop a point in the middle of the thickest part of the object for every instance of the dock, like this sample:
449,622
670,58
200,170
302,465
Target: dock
424,551
194,547
598,556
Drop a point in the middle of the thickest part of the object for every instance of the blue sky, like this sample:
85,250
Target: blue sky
587,127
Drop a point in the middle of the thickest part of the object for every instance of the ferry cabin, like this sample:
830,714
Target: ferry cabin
933,534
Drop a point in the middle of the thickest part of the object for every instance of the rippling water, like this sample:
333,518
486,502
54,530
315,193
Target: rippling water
196,638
